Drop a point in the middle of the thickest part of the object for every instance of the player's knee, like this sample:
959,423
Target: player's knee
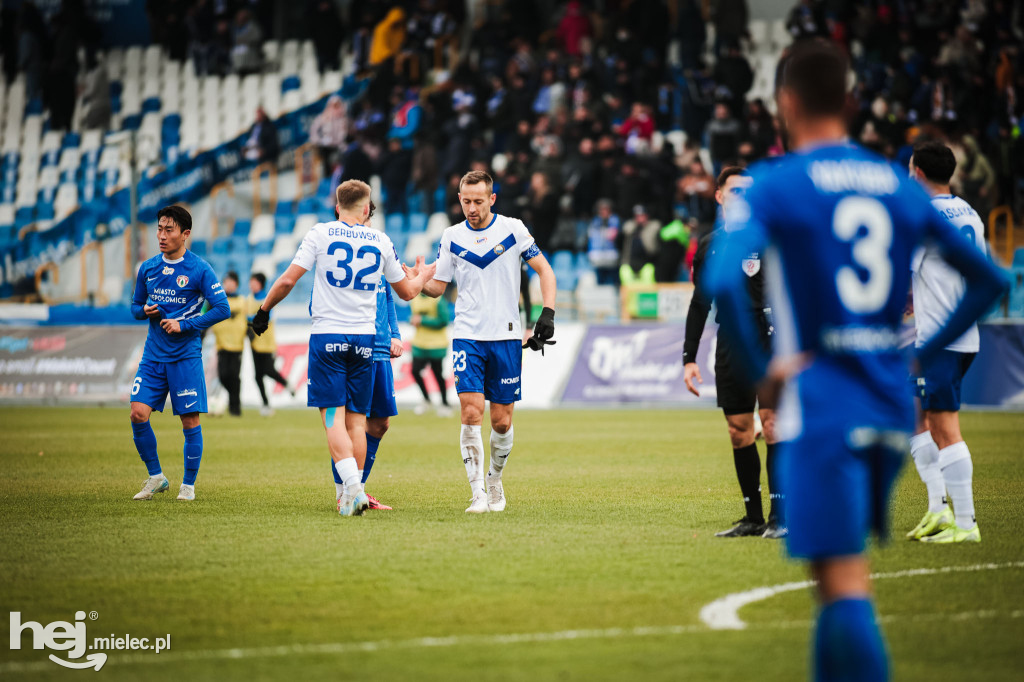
139,415
190,421
740,436
377,427
471,414
502,423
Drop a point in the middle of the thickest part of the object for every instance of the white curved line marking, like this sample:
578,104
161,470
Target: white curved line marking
723,613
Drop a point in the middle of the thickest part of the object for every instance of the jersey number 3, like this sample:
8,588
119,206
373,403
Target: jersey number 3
870,252
345,265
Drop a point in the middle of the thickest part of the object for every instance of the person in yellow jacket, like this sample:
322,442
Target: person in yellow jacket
230,336
429,345
265,345
388,36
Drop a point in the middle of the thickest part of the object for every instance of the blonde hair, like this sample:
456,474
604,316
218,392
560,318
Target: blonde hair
351,194
475,177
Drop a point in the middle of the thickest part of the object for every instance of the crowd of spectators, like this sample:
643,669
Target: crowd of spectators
566,103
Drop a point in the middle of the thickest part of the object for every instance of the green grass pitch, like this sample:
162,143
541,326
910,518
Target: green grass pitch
610,524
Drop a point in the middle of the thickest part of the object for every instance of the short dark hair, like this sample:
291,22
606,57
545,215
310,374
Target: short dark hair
935,160
727,173
259,277
815,70
232,275
178,214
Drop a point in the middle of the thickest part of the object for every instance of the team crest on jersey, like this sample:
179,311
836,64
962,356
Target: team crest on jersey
498,250
182,280
168,270
752,265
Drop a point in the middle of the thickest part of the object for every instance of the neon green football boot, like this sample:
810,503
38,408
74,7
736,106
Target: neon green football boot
954,534
932,523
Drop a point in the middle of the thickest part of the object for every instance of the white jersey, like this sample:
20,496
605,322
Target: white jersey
349,260
938,288
485,263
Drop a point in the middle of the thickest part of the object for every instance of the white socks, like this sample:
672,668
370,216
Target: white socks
349,472
471,444
957,471
339,490
501,446
926,458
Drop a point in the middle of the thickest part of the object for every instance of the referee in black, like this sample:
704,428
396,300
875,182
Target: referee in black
736,395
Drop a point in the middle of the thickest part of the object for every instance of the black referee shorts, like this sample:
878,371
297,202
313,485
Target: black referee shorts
736,394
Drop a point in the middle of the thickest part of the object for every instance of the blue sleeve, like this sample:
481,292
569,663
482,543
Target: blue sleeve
985,282
139,297
215,298
392,314
725,282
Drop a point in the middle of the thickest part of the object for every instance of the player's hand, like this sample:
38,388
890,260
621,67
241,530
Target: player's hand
170,326
690,372
397,348
780,371
152,312
260,321
543,330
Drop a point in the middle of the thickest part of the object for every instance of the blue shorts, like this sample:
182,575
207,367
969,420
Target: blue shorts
340,371
184,380
382,404
938,387
837,481
493,368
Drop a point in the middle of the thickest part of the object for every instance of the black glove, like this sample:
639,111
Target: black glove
260,321
542,331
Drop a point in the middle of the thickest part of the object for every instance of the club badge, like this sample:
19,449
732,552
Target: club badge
182,280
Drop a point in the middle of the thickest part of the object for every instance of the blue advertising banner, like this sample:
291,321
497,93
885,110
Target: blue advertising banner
996,377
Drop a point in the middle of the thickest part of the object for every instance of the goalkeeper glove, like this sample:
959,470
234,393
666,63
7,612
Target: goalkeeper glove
542,331
260,321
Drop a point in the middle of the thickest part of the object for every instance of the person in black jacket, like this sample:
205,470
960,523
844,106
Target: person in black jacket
261,141
736,395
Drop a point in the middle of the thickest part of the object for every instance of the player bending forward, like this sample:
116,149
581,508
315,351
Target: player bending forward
938,449
170,291
483,254
838,225
349,259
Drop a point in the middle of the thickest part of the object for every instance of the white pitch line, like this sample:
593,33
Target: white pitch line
723,613
468,640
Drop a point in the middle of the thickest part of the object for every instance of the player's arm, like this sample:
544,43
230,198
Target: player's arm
305,259
396,335
696,319
434,288
544,329
141,311
218,311
444,268
984,281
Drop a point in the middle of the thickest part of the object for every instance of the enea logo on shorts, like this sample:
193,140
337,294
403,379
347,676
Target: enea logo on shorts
182,280
362,351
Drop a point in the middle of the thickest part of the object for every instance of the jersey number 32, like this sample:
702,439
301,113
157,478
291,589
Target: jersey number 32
347,278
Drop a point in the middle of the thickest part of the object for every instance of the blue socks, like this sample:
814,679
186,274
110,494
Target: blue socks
193,453
848,645
334,472
145,443
371,455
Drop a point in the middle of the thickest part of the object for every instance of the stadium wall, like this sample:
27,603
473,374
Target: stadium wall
591,366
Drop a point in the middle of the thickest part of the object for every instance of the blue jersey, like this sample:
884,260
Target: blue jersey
387,322
179,288
838,226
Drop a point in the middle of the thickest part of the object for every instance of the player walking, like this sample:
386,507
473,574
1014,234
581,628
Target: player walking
838,226
483,254
736,394
387,344
349,259
938,449
170,291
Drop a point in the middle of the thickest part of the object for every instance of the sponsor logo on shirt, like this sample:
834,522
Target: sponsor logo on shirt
188,392
182,280
216,285
463,253
168,270
481,240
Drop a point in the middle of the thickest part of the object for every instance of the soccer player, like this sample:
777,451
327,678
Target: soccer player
938,449
264,346
483,254
230,339
387,344
349,259
170,291
736,394
838,226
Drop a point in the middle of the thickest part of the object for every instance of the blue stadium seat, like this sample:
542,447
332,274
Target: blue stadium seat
263,248
1018,256
285,208
199,247
394,224
239,244
221,246
324,188
281,267
290,83
242,228
439,195
23,216
308,205
34,106
400,240
116,88
413,200
8,235
44,210
71,139
283,224
131,122
219,263
150,105
417,222
1016,296
565,269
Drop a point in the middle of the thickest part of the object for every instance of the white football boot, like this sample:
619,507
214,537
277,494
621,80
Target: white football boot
187,492
496,496
478,505
151,486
